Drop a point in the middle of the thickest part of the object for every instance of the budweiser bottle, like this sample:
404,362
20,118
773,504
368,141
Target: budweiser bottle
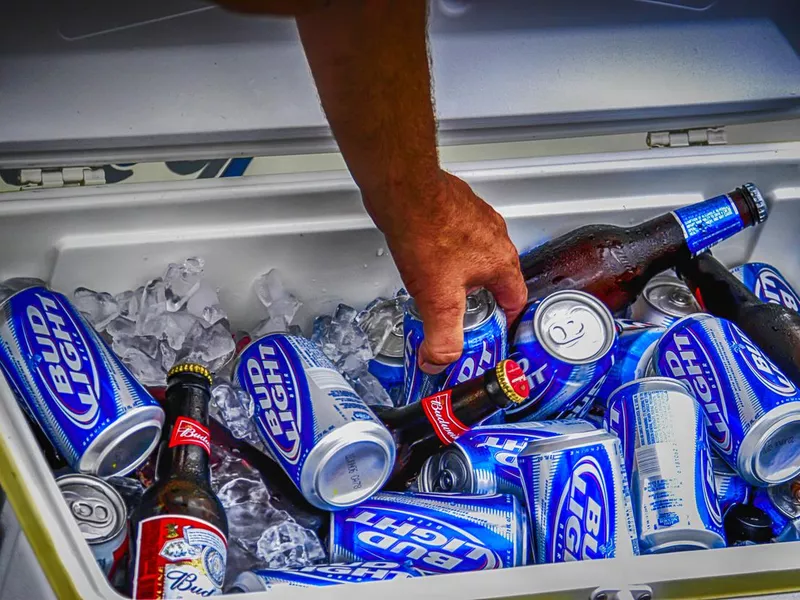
773,327
180,530
422,428
614,263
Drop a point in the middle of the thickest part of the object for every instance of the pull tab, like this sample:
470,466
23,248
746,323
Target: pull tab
94,513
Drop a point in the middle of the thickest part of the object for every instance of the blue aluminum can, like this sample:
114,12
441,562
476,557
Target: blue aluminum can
766,282
323,435
387,366
262,580
578,498
731,489
435,533
780,502
565,344
94,412
485,345
752,409
668,461
484,459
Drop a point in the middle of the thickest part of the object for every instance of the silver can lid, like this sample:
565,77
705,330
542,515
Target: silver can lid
574,327
373,321
448,471
480,308
786,498
671,297
96,506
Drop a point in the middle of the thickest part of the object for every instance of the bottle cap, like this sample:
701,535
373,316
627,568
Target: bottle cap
512,381
758,200
190,368
747,523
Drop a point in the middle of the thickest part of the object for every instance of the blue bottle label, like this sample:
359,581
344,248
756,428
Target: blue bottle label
709,222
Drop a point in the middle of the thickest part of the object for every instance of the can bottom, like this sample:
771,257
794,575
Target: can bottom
348,465
681,540
124,445
770,452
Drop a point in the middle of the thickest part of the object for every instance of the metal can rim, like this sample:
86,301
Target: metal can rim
664,281
113,496
565,441
32,286
411,307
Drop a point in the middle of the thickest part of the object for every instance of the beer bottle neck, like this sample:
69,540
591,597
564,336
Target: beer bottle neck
185,440
716,288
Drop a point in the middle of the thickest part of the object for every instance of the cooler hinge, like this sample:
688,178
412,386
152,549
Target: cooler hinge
628,592
708,136
67,176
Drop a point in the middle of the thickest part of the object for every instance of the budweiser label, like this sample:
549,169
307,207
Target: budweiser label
439,410
177,558
189,431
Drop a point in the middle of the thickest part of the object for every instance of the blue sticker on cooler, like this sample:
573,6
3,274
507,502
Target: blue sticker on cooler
709,222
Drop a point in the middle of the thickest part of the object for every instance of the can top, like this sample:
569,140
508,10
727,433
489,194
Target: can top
373,318
447,472
574,327
670,296
480,308
653,384
95,505
786,498
512,380
567,441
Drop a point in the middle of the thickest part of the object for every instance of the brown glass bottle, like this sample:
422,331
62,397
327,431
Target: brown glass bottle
180,516
774,328
422,428
614,263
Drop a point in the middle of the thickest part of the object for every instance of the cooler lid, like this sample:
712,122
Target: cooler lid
87,81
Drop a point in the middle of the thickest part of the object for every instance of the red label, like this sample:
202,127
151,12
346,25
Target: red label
516,378
178,557
189,431
439,410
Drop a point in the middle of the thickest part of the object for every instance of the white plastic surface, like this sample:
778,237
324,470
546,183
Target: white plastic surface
315,230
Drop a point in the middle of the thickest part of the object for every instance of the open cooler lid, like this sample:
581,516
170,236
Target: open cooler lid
86,81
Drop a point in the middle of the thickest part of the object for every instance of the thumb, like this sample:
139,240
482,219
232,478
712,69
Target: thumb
442,312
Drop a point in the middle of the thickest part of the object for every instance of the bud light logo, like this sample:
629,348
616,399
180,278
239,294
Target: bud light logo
762,367
771,287
62,357
684,357
582,518
707,473
475,363
276,382
432,545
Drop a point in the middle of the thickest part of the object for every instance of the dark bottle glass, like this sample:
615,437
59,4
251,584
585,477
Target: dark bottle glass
180,509
614,263
772,327
422,428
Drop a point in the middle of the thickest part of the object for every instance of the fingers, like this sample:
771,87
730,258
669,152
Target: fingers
442,311
510,292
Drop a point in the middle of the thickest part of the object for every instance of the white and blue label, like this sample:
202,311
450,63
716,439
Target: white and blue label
708,223
65,377
766,282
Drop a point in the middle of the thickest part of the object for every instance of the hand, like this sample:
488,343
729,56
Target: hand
446,245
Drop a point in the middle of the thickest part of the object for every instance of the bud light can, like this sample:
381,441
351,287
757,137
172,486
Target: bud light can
766,282
666,448
663,301
94,412
435,533
578,498
484,459
780,502
387,366
262,580
752,409
315,426
485,345
565,344
731,489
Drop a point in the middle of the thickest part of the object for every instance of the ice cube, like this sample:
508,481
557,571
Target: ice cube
99,308
212,347
235,407
121,327
289,545
267,326
242,490
320,329
128,303
345,314
371,391
146,369
168,355
382,322
204,303
182,281
172,327
153,301
281,305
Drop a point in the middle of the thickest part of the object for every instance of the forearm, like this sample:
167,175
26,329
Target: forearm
370,63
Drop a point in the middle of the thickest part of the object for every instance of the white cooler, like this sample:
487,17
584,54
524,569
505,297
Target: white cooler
548,111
